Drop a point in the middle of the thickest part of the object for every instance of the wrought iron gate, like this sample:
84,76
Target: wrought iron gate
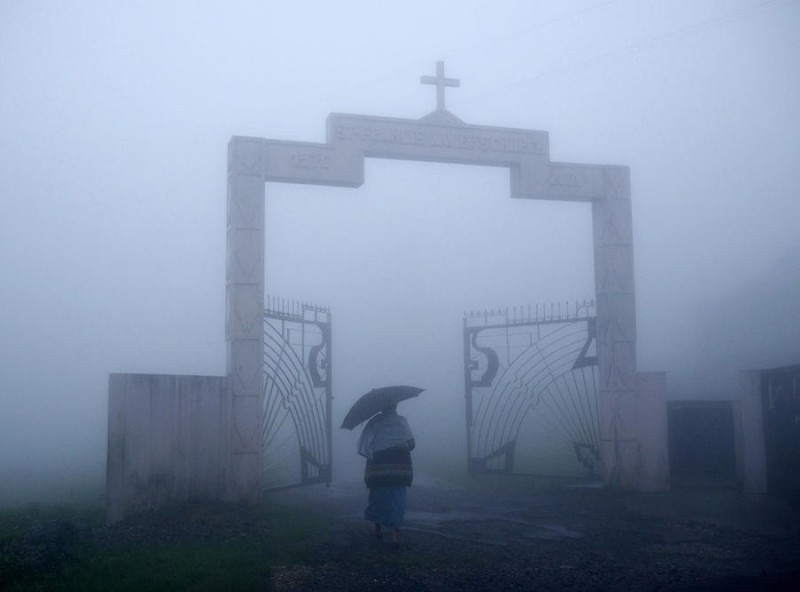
531,391
297,394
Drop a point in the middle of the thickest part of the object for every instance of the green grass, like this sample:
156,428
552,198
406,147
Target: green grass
286,536
196,567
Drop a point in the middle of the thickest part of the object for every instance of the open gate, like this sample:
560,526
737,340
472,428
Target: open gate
297,394
531,391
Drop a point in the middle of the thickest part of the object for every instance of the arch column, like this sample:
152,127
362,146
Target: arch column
616,329
244,316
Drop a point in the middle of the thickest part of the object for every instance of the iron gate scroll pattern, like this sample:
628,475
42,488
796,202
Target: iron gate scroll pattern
297,429
533,368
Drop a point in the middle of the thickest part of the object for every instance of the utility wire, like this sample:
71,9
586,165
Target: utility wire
635,47
527,30
382,80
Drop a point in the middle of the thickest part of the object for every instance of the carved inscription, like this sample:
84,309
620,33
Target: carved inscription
569,179
559,180
312,160
470,139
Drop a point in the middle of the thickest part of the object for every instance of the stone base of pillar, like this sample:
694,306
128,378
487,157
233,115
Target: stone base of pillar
635,446
244,484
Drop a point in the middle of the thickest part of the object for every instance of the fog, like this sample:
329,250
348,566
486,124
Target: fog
114,123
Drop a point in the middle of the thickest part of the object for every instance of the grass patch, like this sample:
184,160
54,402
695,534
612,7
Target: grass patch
270,535
196,567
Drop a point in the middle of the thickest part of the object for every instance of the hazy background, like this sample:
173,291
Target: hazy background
114,121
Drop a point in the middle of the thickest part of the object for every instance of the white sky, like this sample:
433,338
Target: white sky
114,120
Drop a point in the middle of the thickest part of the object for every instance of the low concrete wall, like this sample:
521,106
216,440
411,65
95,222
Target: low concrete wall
167,441
751,444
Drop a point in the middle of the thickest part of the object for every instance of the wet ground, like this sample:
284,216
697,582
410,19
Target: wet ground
565,538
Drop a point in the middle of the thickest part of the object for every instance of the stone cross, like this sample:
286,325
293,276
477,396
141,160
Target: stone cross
440,81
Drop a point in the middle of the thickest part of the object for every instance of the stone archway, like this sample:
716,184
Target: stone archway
631,414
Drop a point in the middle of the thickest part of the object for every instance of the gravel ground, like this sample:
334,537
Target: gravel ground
562,539
568,539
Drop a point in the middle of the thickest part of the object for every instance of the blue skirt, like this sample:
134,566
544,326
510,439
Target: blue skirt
386,506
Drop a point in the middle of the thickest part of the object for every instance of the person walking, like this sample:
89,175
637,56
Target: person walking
386,442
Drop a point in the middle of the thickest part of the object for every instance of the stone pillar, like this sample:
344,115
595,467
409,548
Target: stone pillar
244,324
616,328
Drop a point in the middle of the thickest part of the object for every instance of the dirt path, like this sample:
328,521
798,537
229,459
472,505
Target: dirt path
567,539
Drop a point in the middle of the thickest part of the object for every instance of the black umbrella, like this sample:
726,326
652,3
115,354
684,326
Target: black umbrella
376,401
